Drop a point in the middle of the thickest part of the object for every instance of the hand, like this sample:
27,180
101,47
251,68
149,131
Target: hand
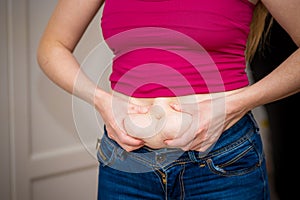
113,111
210,118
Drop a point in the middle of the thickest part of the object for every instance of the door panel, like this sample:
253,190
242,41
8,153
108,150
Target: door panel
49,159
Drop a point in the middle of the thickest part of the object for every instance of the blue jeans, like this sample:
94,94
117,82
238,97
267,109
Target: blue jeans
234,169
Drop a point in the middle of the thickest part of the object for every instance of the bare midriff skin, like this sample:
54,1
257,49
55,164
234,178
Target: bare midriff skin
161,122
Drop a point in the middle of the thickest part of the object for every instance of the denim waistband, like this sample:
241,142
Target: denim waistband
144,159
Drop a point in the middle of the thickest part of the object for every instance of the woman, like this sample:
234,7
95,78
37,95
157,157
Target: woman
280,113
178,123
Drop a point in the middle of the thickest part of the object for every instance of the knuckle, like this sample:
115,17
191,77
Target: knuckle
185,148
128,148
111,136
121,139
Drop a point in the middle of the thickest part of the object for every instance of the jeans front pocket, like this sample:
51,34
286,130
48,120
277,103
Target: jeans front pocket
238,158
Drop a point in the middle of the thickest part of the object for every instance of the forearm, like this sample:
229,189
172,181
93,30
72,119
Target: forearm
280,83
55,53
60,65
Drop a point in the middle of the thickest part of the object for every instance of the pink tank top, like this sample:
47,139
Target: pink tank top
165,48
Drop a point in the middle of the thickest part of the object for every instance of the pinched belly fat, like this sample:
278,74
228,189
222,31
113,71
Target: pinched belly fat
160,123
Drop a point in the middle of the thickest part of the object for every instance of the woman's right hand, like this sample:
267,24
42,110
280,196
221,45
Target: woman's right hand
113,111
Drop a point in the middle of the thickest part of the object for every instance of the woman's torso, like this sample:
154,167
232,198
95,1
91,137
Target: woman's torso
165,49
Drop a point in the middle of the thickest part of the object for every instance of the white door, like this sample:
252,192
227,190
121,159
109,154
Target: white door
46,158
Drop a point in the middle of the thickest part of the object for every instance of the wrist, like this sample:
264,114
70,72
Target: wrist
99,97
240,101
251,97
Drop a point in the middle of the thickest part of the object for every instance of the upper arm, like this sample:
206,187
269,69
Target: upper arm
287,14
69,21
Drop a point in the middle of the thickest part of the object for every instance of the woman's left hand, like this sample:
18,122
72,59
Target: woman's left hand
210,118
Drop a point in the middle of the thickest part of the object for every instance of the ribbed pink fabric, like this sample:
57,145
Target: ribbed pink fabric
177,47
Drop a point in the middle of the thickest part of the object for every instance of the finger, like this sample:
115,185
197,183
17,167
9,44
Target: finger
132,109
187,147
129,140
186,139
178,142
130,148
196,146
122,138
204,145
126,147
182,141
